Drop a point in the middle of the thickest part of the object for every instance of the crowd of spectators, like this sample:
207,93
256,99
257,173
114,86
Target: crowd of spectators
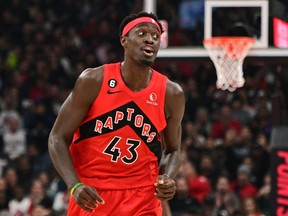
46,44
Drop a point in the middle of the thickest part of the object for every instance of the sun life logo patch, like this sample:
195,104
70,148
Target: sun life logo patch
152,99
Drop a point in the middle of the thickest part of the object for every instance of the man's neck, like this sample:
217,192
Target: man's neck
136,77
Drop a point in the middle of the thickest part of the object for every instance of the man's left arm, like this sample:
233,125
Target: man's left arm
170,162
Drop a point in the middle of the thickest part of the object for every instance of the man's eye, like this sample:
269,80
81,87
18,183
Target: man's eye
140,33
155,36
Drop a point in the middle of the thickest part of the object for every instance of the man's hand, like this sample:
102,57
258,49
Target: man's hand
87,198
165,188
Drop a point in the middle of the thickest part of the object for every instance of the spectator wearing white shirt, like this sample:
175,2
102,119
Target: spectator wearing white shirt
20,204
14,138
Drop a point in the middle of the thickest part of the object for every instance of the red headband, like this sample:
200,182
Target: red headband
137,21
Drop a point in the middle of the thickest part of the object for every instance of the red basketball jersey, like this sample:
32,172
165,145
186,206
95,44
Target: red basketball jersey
118,144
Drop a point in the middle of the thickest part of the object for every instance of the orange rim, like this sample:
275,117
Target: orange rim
222,40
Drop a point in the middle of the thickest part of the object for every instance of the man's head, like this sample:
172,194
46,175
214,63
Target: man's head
223,184
243,175
140,37
182,187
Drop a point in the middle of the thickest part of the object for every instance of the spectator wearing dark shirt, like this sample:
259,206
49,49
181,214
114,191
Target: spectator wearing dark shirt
182,203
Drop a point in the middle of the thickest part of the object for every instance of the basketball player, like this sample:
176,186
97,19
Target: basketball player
116,139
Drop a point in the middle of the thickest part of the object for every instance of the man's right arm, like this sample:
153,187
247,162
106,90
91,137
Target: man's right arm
69,118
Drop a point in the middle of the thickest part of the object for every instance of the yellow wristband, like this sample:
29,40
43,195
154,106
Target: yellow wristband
75,187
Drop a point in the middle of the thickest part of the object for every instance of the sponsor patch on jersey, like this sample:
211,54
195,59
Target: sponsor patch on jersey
152,99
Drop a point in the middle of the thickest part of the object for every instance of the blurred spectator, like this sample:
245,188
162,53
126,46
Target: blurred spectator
39,162
182,203
243,186
226,201
4,162
224,122
239,112
3,197
20,204
206,75
8,107
262,121
53,181
263,198
192,99
199,185
203,123
38,195
260,158
231,161
60,203
208,168
246,136
208,205
25,172
250,207
40,210
14,138
237,147
11,178
191,135
248,103
36,93
4,119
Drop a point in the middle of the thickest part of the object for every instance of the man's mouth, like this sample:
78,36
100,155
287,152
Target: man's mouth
148,51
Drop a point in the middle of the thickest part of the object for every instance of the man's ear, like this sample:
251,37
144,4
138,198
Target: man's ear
123,41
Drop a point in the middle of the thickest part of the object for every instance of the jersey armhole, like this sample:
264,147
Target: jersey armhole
162,107
103,88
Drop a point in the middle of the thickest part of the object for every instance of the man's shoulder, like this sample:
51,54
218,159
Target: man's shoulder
173,88
96,75
98,71
175,98
92,74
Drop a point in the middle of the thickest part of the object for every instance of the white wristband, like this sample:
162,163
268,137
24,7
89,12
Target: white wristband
166,175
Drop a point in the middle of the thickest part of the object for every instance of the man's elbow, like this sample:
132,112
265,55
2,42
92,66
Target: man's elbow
55,143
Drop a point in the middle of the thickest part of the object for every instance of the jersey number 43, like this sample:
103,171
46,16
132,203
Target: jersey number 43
115,152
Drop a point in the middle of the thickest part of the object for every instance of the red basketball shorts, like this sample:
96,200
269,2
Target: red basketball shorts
132,202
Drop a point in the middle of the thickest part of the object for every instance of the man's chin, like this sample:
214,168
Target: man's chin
147,62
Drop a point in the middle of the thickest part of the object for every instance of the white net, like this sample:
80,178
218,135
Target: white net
227,54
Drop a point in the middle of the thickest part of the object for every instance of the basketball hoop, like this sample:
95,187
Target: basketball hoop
227,54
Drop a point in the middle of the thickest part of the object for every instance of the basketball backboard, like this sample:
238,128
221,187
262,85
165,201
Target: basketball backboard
259,8
250,17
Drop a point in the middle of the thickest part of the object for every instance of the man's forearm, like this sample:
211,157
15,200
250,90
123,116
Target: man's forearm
63,163
170,164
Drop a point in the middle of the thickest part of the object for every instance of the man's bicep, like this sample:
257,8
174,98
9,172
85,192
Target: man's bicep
75,107
175,105
69,117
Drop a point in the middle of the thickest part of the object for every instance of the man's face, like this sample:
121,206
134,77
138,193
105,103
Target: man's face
242,178
142,43
223,185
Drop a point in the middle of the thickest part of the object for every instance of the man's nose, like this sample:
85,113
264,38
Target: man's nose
149,38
